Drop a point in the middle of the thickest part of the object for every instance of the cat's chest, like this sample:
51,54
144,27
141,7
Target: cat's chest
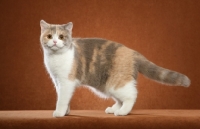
60,64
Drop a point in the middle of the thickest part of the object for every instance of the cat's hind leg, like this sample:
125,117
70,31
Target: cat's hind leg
127,95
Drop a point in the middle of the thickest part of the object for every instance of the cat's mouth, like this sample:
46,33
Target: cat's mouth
55,47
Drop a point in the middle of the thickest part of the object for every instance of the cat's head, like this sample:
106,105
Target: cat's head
55,37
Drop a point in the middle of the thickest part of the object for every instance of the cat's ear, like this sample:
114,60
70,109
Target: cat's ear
43,25
68,26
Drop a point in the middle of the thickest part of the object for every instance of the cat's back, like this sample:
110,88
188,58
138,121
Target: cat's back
90,40
96,45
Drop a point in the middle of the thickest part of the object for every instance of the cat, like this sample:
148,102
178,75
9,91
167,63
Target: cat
108,68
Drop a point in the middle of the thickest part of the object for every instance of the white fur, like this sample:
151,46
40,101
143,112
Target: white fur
59,65
125,98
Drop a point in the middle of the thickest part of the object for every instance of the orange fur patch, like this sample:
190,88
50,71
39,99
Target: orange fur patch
122,71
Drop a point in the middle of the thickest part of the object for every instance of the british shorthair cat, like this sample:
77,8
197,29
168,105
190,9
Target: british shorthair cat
108,68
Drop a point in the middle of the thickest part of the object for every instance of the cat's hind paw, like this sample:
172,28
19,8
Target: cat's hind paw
109,110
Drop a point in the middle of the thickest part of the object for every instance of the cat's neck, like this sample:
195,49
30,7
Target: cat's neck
58,57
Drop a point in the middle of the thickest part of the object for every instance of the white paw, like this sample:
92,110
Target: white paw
58,114
120,113
109,110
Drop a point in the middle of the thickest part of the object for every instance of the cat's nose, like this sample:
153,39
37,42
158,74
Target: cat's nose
54,41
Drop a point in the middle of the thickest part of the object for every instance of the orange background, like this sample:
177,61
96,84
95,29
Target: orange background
167,32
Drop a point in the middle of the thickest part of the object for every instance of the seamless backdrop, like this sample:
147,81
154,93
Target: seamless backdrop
167,32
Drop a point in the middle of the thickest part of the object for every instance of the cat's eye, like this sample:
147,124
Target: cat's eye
49,36
61,37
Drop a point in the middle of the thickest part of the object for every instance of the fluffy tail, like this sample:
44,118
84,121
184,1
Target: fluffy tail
160,74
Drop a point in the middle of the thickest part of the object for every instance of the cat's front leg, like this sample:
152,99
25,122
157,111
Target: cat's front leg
64,93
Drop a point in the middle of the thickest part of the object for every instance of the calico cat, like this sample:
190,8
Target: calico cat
108,68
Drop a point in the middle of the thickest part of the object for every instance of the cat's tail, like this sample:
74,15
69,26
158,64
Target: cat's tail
160,74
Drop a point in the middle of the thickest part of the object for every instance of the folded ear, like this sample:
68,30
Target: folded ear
43,25
68,26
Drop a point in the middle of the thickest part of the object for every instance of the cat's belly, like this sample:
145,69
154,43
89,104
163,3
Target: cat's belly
97,92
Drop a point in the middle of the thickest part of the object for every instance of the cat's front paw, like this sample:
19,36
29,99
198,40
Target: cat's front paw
58,114
120,113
